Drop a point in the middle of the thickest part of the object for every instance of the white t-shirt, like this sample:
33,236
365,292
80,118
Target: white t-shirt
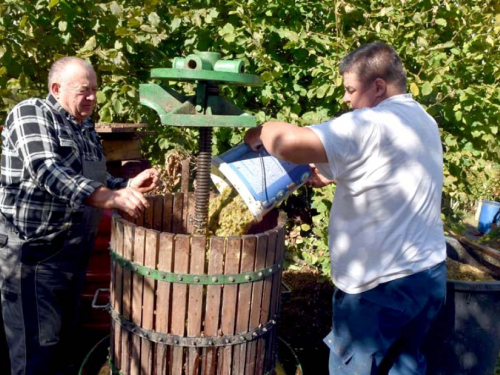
385,221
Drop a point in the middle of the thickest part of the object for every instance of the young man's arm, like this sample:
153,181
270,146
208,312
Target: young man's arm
287,142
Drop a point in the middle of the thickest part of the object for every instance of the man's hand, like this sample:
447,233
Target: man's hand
252,138
128,200
145,181
317,180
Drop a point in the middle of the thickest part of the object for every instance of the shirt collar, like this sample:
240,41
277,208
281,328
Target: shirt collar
395,98
87,123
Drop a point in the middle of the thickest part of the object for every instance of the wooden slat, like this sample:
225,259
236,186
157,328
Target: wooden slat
479,247
128,243
189,209
148,300
137,290
257,288
148,214
168,201
275,301
229,294
179,300
185,177
188,197
177,214
157,212
117,126
266,300
112,290
117,290
249,244
213,303
195,306
163,302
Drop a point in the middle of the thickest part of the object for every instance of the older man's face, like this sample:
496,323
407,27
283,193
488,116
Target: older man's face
77,91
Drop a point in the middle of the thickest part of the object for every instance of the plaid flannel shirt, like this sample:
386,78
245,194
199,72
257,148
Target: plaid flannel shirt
42,189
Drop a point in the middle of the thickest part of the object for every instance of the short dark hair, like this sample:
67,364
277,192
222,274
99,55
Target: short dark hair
375,60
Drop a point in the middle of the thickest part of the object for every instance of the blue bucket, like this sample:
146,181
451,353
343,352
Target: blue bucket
489,210
260,179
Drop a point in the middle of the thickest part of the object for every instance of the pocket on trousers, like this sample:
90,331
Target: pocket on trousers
342,350
53,295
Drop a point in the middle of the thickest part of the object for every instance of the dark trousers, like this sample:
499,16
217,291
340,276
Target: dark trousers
41,282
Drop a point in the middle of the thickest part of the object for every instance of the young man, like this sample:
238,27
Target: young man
386,240
53,188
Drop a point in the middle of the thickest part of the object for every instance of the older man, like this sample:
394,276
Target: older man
53,188
386,240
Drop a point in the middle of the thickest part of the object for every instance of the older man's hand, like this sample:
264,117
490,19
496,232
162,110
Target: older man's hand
145,181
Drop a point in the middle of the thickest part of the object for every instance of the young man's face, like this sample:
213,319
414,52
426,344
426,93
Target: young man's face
77,91
359,94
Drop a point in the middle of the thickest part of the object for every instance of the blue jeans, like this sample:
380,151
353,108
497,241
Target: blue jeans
380,331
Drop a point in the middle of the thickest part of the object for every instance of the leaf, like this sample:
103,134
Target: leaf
305,227
118,106
89,46
414,89
53,3
426,88
422,42
62,26
154,19
122,31
101,97
115,9
176,22
441,22
267,76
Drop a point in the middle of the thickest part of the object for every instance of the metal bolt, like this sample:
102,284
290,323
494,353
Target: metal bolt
199,108
255,334
264,329
148,273
270,270
196,279
163,276
160,339
214,279
231,279
227,341
137,268
247,277
179,278
176,342
242,338
260,274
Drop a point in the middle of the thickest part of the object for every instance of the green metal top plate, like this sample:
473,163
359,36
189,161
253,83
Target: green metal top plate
207,75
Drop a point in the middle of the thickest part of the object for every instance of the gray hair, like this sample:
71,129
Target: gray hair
375,60
59,66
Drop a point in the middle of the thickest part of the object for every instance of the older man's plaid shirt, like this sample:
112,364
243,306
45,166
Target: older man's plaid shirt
42,189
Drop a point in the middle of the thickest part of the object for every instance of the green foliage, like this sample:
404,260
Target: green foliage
450,50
